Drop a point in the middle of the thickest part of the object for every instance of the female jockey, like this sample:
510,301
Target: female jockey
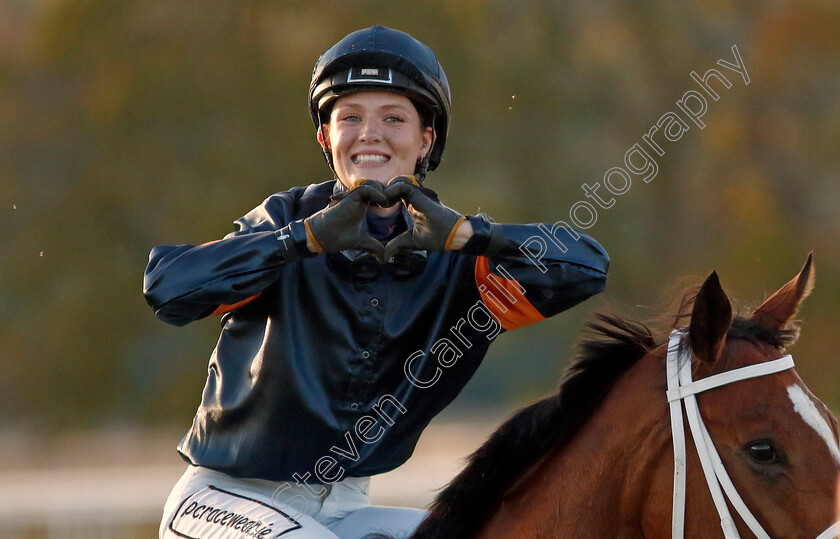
352,311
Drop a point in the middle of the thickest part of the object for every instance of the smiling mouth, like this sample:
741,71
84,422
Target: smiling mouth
370,158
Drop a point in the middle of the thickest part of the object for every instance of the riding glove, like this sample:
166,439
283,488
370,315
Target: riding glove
338,227
434,224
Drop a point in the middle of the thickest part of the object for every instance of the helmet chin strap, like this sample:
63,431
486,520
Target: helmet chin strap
423,164
420,173
327,152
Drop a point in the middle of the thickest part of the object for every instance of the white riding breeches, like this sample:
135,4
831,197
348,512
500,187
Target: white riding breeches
207,504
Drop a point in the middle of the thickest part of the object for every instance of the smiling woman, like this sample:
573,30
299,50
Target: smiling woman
377,135
325,290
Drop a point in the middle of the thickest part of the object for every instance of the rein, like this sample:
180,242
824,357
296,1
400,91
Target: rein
682,390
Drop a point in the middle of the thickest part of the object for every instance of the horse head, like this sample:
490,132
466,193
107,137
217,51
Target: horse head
608,454
777,442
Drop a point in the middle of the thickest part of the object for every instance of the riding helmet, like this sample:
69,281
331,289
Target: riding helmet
383,58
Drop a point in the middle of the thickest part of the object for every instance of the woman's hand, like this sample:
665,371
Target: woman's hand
338,227
436,227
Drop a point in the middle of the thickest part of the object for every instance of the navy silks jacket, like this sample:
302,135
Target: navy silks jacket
317,377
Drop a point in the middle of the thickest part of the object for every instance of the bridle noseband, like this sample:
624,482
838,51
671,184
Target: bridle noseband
682,390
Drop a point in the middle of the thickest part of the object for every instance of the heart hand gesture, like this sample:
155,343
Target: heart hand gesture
434,224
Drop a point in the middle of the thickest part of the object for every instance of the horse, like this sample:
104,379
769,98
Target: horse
597,459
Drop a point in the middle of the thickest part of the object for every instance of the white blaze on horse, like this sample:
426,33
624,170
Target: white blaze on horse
597,458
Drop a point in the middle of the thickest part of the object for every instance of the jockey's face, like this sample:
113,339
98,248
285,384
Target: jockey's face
375,135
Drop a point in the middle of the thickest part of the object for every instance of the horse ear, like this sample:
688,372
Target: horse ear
779,308
710,320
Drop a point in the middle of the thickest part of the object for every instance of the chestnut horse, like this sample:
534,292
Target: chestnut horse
597,458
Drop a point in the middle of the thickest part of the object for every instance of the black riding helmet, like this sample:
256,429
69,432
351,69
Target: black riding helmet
386,59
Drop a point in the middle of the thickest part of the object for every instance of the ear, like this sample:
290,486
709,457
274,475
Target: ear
428,138
324,140
779,308
710,320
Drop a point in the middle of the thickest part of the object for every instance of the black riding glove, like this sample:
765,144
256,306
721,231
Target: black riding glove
434,224
338,227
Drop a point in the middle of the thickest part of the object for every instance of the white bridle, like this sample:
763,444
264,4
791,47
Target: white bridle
681,389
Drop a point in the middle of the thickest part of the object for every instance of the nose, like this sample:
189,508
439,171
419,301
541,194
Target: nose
370,132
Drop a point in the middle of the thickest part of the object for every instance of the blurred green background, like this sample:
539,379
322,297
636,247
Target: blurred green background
127,124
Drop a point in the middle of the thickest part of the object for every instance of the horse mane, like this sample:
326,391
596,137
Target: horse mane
466,503
471,498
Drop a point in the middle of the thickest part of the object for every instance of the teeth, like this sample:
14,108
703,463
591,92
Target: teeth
368,158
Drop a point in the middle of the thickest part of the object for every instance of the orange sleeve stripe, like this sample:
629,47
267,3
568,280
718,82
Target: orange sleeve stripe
227,308
508,304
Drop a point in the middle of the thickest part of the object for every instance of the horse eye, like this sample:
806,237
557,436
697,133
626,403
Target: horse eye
763,453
